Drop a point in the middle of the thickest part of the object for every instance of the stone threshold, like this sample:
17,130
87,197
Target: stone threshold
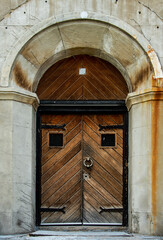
96,233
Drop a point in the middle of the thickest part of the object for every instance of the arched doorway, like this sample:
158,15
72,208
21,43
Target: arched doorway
82,162
111,40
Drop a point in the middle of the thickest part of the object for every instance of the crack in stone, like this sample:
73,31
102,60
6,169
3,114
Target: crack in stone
61,36
20,5
13,9
32,17
35,57
150,10
149,40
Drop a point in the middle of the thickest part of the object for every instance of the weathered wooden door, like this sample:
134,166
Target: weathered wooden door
82,168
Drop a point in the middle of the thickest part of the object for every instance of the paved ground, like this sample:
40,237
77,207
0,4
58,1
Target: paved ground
80,235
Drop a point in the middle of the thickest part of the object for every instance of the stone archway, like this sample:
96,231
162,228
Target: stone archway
133,56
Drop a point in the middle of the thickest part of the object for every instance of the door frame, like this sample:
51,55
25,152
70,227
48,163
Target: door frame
82,107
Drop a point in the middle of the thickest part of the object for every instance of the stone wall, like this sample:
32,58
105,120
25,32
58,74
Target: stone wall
35,34
19,16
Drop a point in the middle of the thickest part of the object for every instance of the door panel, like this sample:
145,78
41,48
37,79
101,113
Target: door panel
61,170
81,180
105,176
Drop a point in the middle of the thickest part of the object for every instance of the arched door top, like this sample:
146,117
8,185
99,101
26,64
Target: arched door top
82,77
104,37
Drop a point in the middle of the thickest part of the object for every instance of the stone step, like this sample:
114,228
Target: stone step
79,235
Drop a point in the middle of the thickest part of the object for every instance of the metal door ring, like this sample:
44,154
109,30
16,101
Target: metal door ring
88,165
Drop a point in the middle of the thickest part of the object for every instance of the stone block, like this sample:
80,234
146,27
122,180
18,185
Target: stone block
5,166
20,16
22,115
22,200
5,110
140,115
6,196
40,10
2,60
6,139
141,223
82,34
123,47
22,141
140,141
5,7
140,172
159,182
159,228
17,3
22,222
157,33
9,35
6,223
22,169
43,46
141,197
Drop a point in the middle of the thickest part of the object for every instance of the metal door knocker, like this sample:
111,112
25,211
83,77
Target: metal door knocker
88,162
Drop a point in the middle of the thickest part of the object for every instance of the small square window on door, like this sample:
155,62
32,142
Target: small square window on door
108,140
56,140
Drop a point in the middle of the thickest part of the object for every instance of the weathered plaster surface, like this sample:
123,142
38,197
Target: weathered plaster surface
17,139
145,160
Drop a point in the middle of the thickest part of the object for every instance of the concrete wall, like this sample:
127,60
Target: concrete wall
34,34
19,16
145,162
17,165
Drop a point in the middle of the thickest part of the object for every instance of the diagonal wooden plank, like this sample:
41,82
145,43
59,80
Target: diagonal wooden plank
102,191
108,157
50,186
97,82
57,82
70,87
93,89
76,94
64,199
58,165
102,74
116,119
46,186
101,200
71,134
105,78
55,196
115,153
95,154
75,201
87,94
108,187
69,215
50,155
109,71
54,72
60,183
107,176
94,208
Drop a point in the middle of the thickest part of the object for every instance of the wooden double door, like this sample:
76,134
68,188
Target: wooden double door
82,169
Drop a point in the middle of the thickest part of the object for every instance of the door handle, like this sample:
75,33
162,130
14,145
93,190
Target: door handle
88,162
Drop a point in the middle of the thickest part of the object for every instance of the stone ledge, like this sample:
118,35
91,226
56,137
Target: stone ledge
19,95
153,94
